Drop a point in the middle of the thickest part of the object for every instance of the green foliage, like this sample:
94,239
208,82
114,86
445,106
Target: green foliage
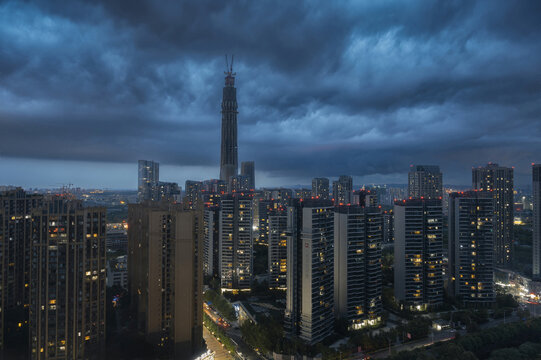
219,333
221,304
261,259
266,335
418,328
518,340
506,301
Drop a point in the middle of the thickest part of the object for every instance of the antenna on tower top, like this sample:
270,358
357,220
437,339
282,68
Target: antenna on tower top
232,59
226,64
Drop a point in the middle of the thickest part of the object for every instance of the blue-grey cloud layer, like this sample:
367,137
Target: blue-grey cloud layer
361,88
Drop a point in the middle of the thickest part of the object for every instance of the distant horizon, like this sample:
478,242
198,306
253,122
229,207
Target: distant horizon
364,89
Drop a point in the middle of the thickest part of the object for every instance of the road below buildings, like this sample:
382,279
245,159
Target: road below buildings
220,353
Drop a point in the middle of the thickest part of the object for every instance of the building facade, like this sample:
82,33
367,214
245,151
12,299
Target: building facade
16,208
211,247
425,181
193,193
317,303
342,190
236,248
277,254
320,188
418,253
168,191
149,176
67,281
499,181
471,248
357,265
165,276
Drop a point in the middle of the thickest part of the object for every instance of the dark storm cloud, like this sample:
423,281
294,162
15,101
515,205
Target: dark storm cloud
361,88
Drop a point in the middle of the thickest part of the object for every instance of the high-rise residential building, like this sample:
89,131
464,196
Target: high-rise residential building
280,196
168,191
229,151
320,188
16,207
536,194
247,168
215,186
342,190
365,197
310,270
193,192
471,248
236,248
277,249
357,265
239,183
211,247
418,253
425,181
165,272
294,247
304,194
67,281
388,226
149,176
499,181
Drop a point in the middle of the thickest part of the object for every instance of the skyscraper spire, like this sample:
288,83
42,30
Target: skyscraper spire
229,151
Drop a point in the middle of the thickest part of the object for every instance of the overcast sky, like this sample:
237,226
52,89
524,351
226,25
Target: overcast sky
324,88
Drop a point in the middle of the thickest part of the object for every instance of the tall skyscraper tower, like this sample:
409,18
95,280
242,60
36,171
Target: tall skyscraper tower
498,180
471,248
536,192
229,151
149,175
425,181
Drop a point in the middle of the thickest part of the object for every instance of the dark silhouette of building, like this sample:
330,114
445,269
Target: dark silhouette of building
16,207
165,275
247,168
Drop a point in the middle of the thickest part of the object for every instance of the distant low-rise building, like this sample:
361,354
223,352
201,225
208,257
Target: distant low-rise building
117,272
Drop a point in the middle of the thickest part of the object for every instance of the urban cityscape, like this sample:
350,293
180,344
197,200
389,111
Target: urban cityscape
341,240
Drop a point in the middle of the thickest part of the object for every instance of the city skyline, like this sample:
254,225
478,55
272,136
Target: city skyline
460,80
